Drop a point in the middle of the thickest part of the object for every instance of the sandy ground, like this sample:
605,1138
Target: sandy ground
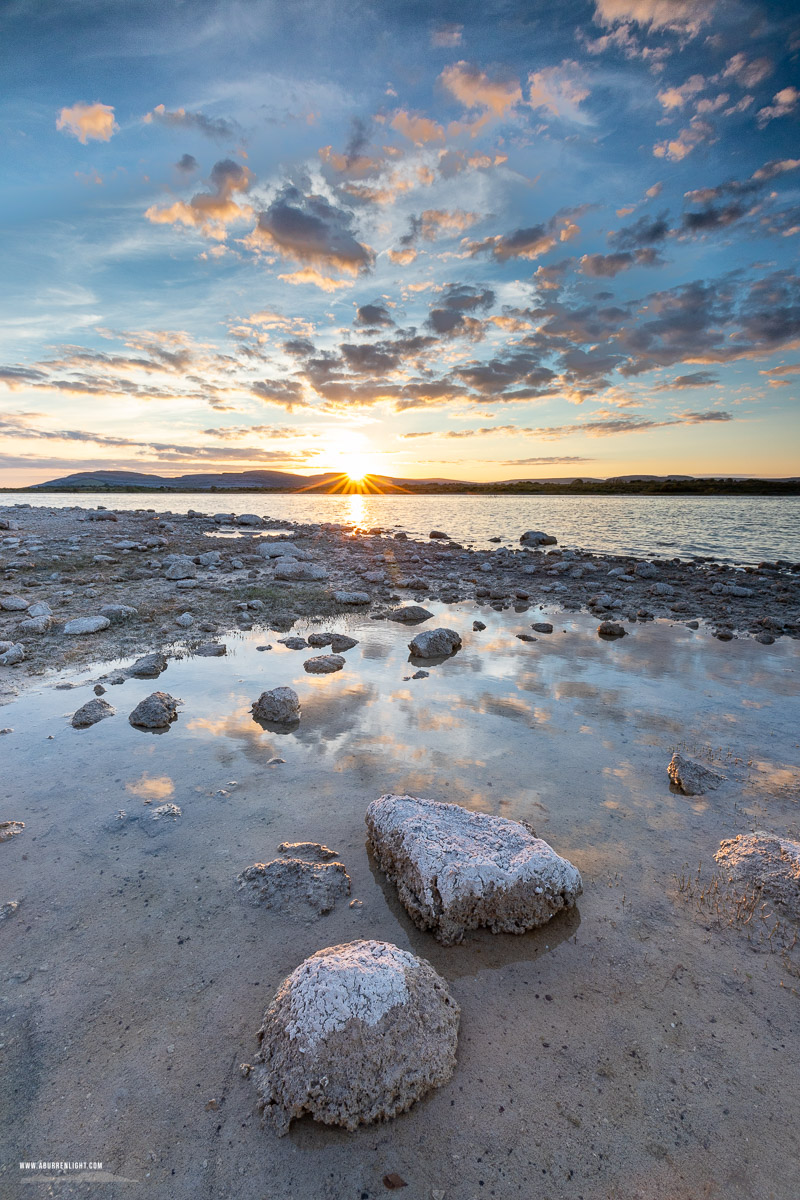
77,564
643,1047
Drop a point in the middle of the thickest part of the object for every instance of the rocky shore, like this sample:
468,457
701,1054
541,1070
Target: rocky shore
84,584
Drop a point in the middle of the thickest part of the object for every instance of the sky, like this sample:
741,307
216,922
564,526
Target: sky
482,241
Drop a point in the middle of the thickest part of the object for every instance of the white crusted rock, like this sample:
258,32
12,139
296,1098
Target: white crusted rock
435,643
83,625
690,777
13,603
290,884
456,870
148,666
13,654
765,863
351,597
280,706
91,712
357,1033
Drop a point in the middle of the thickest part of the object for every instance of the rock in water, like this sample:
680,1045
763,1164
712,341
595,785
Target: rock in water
535,537
456,870
211,649
148,666
324,664
284,882
156,711
610,629
310,851
435,643
690,778
351,597
355,1034
92,712
765,863
542,627
82,625
341,641
9,829
410,614
280,706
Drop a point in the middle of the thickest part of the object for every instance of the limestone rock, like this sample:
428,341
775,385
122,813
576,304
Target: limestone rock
690,777
34,626
435,643
91,712
156,711
410,614
83,625
280,706
351,597
149,666
291,569
535,537
765,863
11,653
357,1033
274,549
456,870
286,883
13,603
324,664
118,613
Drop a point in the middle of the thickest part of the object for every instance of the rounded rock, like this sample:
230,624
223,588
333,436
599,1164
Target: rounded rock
280,706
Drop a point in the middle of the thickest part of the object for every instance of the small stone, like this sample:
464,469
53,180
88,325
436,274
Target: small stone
211,649
34,626
294,643
156,711
610,629
690,777
13,654
765,863
527,637
285,882
181,567
280,706
542,627
118,613
318,640
9,829
99,690
435,643
478,626
148,666
92,712
421,675
84,625
185,620
13,603
8,909
351,597
410,614
324,664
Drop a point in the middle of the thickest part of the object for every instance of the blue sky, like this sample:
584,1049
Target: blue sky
482,241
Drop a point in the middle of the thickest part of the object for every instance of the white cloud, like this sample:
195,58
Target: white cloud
558,90
783,103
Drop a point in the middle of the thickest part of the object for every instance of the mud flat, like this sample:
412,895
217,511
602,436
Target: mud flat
641,1045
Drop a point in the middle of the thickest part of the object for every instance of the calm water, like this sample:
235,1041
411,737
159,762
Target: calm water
737,529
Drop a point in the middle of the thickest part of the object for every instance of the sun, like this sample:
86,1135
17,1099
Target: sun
355,467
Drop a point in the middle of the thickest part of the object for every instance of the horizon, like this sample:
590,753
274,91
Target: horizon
502,242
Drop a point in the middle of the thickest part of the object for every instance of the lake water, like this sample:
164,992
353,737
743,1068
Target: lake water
733,529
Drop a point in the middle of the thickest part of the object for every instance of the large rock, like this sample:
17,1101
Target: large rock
291,569
535,537
409,614
289,883
456,870
118,613
156,711
91,712
355,1034
435,643
280,706
251,519
149,666
351,597
211,649
83,625
11,653
324,664
690,777
181,567
341,642
34,626
274,549
764,863
13,603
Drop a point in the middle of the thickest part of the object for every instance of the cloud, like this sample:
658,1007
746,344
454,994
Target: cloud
549,460
476,89
647,231
373,316
559,90
419,130
676,97
653,191
680,16
448,317
179,118
748,73
187,163
533,241
783,103
311,275
609,424
88,122
311,230
447,36
695,134
210,211
287,393
606,266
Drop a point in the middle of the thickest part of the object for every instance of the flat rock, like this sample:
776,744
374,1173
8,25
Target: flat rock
690,777
435,643
410,614
351,597
311,851
289,883
13,603
374,1022
156,711
318,640
83,625
294,643
291,569
542,627
456,870
91,712
211,649
324,664
280,706
341,641
767,864
148,666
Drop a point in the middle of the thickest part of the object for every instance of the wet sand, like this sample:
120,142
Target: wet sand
639,1048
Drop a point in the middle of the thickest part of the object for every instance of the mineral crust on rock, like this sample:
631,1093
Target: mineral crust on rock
690,777
357,1033
279,706
435,643
456,870
91,712
285,882
767,864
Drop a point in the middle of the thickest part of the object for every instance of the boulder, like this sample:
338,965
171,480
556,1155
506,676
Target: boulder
341,642
535,537
84,625
13,653
435,643
92,712
34,626
436,534
324,664
690,777
766,864
357,1033
409,614
118,613
13,603
610,629
286,883
149,666
280,706
250,519
351,597
181,567
156,711
456,870
542,627
291,569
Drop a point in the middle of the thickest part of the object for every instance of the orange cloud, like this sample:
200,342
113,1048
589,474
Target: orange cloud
88,122
418,130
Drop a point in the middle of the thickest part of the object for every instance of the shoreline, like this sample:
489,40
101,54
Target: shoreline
70,563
